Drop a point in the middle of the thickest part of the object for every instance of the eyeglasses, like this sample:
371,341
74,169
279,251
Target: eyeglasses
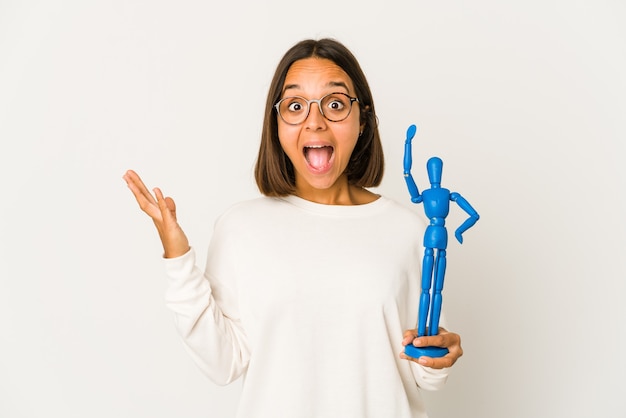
334,106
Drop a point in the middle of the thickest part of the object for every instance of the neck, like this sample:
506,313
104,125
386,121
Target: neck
341,193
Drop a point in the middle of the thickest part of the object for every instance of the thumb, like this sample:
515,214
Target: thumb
166,206
171,206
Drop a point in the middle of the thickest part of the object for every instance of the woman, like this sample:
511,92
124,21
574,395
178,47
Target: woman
310,292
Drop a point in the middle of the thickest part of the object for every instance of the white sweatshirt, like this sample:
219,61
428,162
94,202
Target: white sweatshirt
309,303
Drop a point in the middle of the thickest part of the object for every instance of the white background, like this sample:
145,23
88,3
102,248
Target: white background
524,101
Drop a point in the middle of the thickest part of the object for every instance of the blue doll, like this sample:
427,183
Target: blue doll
436,202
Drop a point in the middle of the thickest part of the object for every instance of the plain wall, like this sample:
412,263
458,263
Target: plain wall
524,101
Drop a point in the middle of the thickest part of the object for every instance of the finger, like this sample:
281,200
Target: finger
139,189
432,341
409,336
143,200
437,363
404,356
434,363
443,339
146,202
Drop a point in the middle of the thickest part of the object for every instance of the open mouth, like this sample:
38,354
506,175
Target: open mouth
319,157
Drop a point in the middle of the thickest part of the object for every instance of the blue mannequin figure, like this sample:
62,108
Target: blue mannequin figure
437,206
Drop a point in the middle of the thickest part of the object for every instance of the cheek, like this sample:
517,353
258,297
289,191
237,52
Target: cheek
287,137
354,128
349,135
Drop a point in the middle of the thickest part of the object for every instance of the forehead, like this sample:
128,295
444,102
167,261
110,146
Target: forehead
316,73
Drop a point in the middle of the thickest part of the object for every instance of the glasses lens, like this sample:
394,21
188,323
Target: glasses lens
293,110
336,106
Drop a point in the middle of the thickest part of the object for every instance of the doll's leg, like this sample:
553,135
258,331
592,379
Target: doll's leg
435,309
427,274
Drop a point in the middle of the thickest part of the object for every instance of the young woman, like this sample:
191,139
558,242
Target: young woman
311,291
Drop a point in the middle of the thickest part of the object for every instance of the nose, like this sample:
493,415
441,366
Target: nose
315,120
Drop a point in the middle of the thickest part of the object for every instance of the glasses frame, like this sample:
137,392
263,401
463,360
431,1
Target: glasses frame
319,106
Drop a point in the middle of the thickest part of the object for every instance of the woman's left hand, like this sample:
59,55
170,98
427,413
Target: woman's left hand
446,339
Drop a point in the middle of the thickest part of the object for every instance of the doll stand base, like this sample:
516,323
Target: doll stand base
416,352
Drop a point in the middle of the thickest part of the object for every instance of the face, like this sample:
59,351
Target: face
318,148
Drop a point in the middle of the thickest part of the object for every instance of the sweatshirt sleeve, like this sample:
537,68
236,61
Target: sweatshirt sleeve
428,378
210,329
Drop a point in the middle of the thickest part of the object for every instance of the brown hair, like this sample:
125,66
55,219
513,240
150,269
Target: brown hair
274,171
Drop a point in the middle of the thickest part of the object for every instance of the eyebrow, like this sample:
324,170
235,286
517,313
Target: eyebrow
329,84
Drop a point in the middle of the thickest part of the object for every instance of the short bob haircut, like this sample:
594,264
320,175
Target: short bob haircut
274,172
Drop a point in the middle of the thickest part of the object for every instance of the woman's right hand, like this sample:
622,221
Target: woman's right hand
162,210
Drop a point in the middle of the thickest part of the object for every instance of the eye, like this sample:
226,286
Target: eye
336,105
294,105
